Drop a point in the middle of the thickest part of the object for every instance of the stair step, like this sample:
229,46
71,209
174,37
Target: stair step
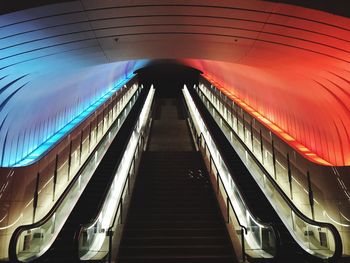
175,240
179,259
175,250
181,203
174,216
174,223
174,232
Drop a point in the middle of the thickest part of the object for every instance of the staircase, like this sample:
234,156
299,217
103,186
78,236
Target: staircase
174,216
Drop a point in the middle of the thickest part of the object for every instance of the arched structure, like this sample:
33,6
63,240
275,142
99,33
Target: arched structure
289,63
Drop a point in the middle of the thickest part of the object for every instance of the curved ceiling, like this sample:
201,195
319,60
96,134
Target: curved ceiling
289,63
338,7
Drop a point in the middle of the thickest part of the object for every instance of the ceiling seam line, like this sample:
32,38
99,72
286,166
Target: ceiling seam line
256,39
93,31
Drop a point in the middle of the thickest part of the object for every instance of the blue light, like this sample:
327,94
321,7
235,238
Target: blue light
51,141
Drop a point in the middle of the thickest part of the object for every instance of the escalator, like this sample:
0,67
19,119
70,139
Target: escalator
63,248
288,250
174,215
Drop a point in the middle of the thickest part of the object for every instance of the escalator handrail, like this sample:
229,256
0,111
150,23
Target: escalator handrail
14,237
105,192
267,225
94,220
245,230
141,140
337,239
224,101
227,194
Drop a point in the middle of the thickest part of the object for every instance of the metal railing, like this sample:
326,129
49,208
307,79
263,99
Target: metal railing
33,240
301,227
252,240
94,241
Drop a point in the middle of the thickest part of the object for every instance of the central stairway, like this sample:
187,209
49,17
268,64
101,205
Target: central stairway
173,215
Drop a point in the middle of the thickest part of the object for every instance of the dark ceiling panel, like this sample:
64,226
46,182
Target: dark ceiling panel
7,6
338,7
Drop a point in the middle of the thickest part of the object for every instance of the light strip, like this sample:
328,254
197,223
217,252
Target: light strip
50,142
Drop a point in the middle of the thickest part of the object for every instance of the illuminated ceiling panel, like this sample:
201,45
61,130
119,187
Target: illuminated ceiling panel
289,63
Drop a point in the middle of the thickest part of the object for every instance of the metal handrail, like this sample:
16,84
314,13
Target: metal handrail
96,217
49,150
226,192
100,205
337,239
229,202
201,136
13,241
120,202
142,140
139,145
224,101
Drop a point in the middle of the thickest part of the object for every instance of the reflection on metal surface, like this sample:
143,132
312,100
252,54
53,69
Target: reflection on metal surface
93,241
254,244
272,178
23,244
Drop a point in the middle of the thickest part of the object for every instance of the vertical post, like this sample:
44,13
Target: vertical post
311,195
210,165
251,134
138,147
96,127
112,105
70,158
89,136
128,178
261,146
290,177
232,103
55,178
236,111
243,245
121,210
103,120
274,159
36,195
108,112
115,109
228,209
217,183
110,246
243,128
81,146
